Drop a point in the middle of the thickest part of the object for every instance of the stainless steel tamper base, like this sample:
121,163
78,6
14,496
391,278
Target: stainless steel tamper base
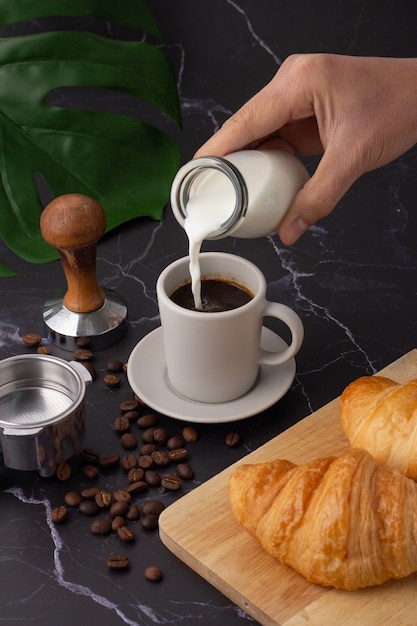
103,327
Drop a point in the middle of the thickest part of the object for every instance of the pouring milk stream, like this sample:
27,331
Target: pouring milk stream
245,194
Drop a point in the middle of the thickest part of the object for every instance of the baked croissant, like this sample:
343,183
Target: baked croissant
380,415
342,522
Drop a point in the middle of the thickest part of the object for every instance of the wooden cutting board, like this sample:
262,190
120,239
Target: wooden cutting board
201,531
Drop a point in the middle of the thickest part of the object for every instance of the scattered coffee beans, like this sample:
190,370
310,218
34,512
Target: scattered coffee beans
114,366
72,499
153,573
109,460
112,380
232,440
190,434
63,471
128,441
31,340
100,526
170,482
121,424
185,471
59,514
147,421
103,498
43,350
129,405
90,471
126,534
88,508
117,562
82,354
133,513
89,455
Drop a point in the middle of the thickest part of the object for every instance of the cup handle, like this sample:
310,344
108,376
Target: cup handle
294,323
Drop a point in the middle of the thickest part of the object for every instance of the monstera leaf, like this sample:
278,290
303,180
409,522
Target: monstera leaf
124,163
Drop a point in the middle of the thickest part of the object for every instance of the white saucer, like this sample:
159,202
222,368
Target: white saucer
146,373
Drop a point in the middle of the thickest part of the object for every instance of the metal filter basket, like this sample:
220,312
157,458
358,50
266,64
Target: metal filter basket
42,411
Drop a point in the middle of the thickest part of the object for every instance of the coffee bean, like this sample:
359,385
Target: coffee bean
117,522
82,354
170,482
178,455
129,405
121,495
152,478
31,340
59,514
121,424
109,460
100,526
89,493
103,498
133,513
147,435
128,441
114,366
63,471
160,458
190,434
83,342
135,474
43,350
175,442
185,471
119,509
147,421
153,573
160,436
149,521
148,448
145,461
132,416
88,508
72,498
129,461
232,440
117,562
155,507
112,380
137,487
90,471
89,455
126,534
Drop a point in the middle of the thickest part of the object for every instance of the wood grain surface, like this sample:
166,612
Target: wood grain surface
201,531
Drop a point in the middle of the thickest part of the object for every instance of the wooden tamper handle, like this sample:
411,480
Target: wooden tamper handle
73,224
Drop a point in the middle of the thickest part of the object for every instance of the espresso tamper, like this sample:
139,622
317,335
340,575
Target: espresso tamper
73,224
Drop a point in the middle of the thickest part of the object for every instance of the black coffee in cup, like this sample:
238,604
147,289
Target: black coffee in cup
217,295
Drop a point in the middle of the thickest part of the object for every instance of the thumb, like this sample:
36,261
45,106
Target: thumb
318,197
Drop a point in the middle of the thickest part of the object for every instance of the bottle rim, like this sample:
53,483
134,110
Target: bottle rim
187,175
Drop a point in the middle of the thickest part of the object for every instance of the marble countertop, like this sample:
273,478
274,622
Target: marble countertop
352,279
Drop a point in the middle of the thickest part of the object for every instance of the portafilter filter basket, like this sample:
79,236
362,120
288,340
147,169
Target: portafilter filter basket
73,224
42,411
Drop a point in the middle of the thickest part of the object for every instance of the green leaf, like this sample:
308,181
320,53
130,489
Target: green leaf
129,13
124,163
5,272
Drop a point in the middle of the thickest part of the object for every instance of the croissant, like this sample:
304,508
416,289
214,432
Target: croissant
380,415
342,522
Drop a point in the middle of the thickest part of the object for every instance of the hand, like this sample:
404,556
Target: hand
359,112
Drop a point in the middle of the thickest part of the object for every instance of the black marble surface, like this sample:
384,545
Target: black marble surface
352,279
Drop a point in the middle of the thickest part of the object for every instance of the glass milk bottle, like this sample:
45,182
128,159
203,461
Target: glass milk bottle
245,194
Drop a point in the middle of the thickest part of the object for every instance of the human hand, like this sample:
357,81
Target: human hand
359,112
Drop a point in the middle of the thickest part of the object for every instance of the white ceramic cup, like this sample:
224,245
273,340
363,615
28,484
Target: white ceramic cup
215,357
